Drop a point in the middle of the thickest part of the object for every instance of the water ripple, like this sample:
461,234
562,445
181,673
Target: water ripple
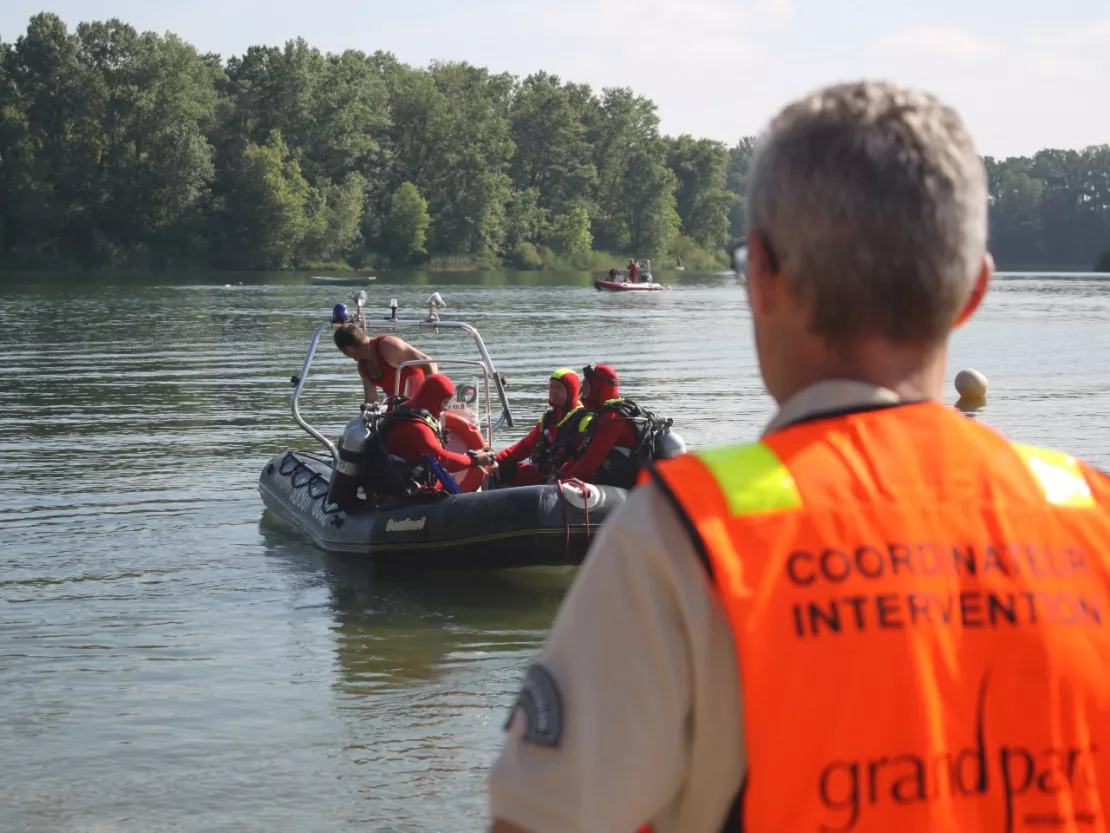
170,660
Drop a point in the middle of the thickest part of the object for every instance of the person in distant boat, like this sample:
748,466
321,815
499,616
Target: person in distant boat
620,439
378,359
633,270
553,441
410,448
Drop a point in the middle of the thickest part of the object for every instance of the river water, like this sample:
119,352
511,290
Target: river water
173,660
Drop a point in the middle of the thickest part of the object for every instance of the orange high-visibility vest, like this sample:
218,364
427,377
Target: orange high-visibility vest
921,615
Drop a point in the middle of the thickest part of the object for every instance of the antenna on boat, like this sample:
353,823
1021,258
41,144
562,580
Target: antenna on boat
433,302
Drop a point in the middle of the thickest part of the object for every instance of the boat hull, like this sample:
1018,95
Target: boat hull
525,526
322,280
619,286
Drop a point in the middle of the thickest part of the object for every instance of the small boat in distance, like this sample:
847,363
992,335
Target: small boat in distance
326,280
627,286
620,282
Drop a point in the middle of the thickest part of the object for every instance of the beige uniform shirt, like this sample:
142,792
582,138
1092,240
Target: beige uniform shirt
649,701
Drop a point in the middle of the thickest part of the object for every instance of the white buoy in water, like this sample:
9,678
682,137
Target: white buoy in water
971,385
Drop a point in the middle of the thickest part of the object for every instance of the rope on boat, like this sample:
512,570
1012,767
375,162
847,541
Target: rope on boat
313,478
575,483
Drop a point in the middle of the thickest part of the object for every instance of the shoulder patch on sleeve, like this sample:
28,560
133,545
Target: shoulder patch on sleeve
542,704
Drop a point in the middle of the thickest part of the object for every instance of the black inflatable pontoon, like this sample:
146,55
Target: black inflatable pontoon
522,526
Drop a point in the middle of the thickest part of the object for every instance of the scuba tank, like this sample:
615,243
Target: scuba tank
656,440
669,444
347,474
665,443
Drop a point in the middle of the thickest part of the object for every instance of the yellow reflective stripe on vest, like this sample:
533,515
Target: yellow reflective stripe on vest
752,479
1059,475
560,423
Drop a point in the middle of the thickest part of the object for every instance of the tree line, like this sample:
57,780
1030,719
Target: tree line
1051,209
121,149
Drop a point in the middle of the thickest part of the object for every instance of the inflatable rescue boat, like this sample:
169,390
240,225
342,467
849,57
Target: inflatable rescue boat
511,527
491,528
644,283
626,286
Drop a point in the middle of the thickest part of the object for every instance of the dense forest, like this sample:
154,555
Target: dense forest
121,149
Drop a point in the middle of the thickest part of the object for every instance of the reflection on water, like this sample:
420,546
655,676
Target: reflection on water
173,659
396,630
408,651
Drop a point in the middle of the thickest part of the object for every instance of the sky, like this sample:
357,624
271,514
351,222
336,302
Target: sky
1024,74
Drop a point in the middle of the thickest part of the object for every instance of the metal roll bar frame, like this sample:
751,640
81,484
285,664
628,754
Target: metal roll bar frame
505,418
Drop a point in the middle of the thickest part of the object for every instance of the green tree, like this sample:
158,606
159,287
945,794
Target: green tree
42,172
547,123
635,201
334,213
1015,221
1074,203
332,110
407,225
739,163
700,167
469,207
275,90
570,232
266,208
13,128
450,138
155,102
647,196
524,255
351,119
526,221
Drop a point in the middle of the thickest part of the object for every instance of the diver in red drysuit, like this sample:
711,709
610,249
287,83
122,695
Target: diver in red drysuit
412,430
554,439
610,432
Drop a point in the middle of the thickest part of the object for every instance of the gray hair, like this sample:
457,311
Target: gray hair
873,201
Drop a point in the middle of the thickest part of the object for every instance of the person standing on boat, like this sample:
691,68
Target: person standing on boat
378,359
633,270
882,615
555,438
619,439
410,433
